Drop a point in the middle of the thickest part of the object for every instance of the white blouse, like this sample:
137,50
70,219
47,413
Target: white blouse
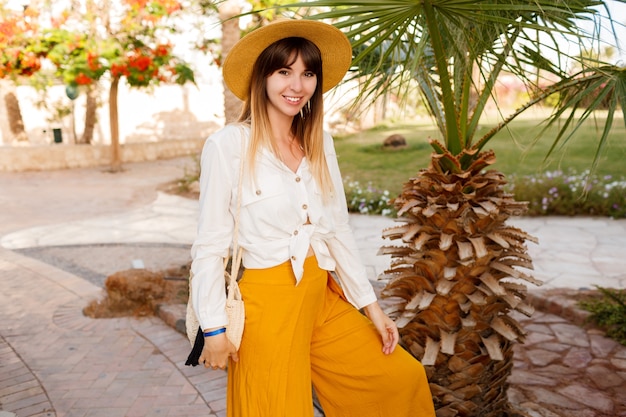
275,206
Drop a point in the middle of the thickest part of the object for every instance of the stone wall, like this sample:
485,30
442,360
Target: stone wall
61,156
165,122
167,112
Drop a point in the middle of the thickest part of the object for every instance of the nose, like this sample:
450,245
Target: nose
296,84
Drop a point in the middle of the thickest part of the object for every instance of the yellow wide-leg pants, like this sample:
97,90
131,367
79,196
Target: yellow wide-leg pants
298,335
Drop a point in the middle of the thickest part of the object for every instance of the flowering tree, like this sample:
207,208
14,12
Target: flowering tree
85,48
17,58
136,48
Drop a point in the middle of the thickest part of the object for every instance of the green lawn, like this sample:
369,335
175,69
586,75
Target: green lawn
362,157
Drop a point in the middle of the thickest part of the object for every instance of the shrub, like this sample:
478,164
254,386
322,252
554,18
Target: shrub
571,194
548,193
368,199
138,292
609,312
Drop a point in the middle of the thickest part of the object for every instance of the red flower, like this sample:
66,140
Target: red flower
29,63
162,50
92,62
82,79
140,62
117,70
139,4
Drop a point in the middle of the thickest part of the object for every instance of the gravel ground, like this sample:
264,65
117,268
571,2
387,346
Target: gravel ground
96,262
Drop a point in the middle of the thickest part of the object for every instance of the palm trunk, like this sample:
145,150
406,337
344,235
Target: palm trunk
116,163
451,279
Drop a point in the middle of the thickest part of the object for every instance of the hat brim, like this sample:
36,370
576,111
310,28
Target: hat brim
333,44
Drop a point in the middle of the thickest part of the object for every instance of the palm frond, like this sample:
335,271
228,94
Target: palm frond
455,51
594,89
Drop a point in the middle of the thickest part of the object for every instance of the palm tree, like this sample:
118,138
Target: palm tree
458,269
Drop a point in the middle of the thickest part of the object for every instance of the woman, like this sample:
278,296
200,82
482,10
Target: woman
301,326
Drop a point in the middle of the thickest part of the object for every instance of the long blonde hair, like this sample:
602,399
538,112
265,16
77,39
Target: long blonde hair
307,127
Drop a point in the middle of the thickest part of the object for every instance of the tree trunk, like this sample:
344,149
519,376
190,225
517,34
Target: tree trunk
90,116
452,286
230,36
16,122
91,103
116,163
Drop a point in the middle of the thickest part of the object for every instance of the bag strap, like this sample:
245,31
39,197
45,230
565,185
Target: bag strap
237,251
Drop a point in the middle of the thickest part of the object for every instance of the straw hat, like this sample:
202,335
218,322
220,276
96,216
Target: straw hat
332,43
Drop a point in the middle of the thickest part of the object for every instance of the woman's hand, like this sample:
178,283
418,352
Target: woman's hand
385,326
217,349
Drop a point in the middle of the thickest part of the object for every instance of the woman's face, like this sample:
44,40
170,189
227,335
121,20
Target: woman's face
289,89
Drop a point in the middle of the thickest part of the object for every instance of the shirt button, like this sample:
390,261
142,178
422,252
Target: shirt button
304,207
293,258
297,179
295,232
258,192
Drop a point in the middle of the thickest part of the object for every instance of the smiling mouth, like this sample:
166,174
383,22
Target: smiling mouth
294,100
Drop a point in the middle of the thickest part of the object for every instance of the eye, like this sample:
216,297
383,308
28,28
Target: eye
309,74
283,71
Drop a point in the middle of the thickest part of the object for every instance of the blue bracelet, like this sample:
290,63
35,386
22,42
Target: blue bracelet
215,332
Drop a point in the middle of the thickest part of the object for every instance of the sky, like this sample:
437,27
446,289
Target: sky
618,13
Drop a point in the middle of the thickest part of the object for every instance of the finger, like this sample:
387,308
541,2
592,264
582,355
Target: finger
395,335
385,339
395,339
234,356
389,340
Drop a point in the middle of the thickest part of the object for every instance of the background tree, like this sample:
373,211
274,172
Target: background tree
87,46
231,33
18,60
135,48
458,268
91,103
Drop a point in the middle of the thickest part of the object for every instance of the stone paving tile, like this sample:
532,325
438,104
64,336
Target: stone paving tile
113,367
565,372
20,390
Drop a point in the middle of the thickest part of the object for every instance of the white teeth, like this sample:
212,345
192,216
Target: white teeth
292,99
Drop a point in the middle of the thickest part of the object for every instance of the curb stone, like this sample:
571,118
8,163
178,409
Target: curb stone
560,302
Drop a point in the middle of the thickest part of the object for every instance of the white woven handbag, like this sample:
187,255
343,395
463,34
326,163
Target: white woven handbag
235,309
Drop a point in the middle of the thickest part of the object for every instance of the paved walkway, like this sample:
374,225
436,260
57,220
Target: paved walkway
63,232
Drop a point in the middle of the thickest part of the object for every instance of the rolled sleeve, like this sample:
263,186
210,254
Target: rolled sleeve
342,246
215,228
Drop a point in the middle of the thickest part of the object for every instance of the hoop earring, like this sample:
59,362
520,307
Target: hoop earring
308,109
